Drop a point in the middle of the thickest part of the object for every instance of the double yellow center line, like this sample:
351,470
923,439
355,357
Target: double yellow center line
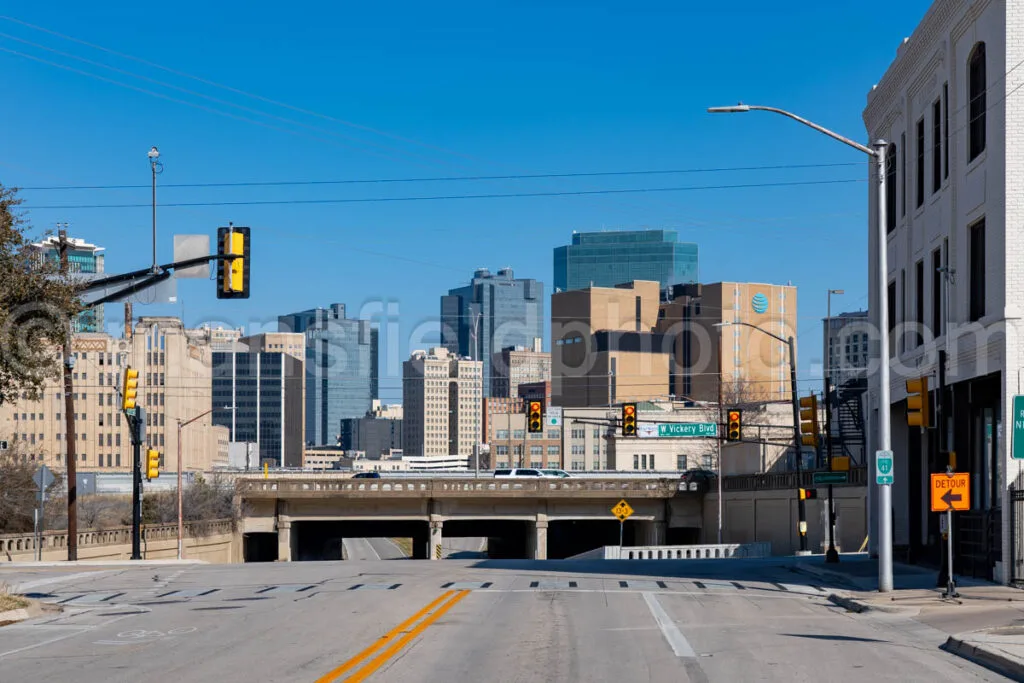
393,641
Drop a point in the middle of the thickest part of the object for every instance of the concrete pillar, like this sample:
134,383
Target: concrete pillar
537,540
436,538
650,532
284,541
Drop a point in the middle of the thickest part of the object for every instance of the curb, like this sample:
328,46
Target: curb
990,659
819,573
861,606
13,616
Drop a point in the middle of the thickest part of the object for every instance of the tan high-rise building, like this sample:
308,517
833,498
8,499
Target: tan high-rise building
174,382
291,343
517,365
605,349
755,366
442,400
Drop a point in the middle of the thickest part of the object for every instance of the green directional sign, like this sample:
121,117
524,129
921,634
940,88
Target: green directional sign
831,477
1018,428
676,429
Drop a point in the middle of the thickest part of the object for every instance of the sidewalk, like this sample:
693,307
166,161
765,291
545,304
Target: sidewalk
984,623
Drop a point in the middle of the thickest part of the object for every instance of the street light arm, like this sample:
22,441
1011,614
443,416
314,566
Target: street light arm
759,329
197,417
799,119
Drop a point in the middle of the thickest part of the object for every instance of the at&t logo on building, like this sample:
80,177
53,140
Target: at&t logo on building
759,303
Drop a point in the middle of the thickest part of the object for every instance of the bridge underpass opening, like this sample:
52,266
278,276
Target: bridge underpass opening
259,547
570,537
323,540
505,539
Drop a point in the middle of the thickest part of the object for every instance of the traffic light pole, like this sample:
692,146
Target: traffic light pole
136,427
801,507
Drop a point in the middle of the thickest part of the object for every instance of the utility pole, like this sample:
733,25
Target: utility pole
71,461
831,555
801,505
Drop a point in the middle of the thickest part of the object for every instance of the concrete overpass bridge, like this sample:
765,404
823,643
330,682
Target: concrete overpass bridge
302,516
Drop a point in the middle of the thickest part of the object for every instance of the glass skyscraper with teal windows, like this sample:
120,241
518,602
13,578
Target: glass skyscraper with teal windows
606,259
83,258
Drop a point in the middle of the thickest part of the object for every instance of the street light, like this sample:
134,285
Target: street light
877,153
797,439
182,425
156,167
831,555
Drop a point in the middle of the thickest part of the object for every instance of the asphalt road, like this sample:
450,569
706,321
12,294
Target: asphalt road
372,549
452,621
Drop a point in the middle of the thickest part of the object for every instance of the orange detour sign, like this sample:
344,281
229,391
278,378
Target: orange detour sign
951,492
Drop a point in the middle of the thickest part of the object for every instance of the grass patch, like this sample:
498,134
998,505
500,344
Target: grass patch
405,544
9,602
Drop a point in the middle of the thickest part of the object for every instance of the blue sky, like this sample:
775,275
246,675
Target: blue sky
441,90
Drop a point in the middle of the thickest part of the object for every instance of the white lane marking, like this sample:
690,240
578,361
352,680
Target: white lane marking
372,549
77,630
30,585
672,634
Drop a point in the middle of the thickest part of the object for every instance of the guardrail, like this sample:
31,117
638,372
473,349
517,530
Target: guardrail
776,481
19,543
688,552
454,488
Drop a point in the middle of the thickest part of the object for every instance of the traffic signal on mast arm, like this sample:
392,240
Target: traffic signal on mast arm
918,408
809,420
233,273
535,417
629,419
130,389
152,464
808,494
734,425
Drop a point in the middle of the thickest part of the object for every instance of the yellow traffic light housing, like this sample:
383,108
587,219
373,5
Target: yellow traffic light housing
734,426
152,464
130,389
918,400
809,421
629,419
535,417
233,273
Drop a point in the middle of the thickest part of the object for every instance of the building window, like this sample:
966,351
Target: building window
920,163
936,146
937,293
681,463
891,308
636,461
945,130
903,174
919,295
977,270
976,86
890,188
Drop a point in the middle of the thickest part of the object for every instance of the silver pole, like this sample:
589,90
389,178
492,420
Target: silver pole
884,436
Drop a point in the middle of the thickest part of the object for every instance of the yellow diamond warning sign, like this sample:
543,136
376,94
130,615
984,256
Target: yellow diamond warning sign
622,510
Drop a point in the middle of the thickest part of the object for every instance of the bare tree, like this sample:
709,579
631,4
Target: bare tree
19,494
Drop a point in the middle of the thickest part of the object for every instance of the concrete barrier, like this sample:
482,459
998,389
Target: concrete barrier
688,552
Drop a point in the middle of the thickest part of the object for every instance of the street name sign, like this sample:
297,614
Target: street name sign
883,467
831,477
687,429
951,492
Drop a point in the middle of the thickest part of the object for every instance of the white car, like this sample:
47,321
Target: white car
524,472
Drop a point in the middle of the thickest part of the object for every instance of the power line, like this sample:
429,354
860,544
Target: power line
511,195
520,176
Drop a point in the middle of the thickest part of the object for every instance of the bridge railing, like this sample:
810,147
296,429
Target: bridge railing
19,543
775,481
688,552
440,488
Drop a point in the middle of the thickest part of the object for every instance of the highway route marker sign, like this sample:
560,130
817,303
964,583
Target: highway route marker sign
883,467
622,510
951,492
